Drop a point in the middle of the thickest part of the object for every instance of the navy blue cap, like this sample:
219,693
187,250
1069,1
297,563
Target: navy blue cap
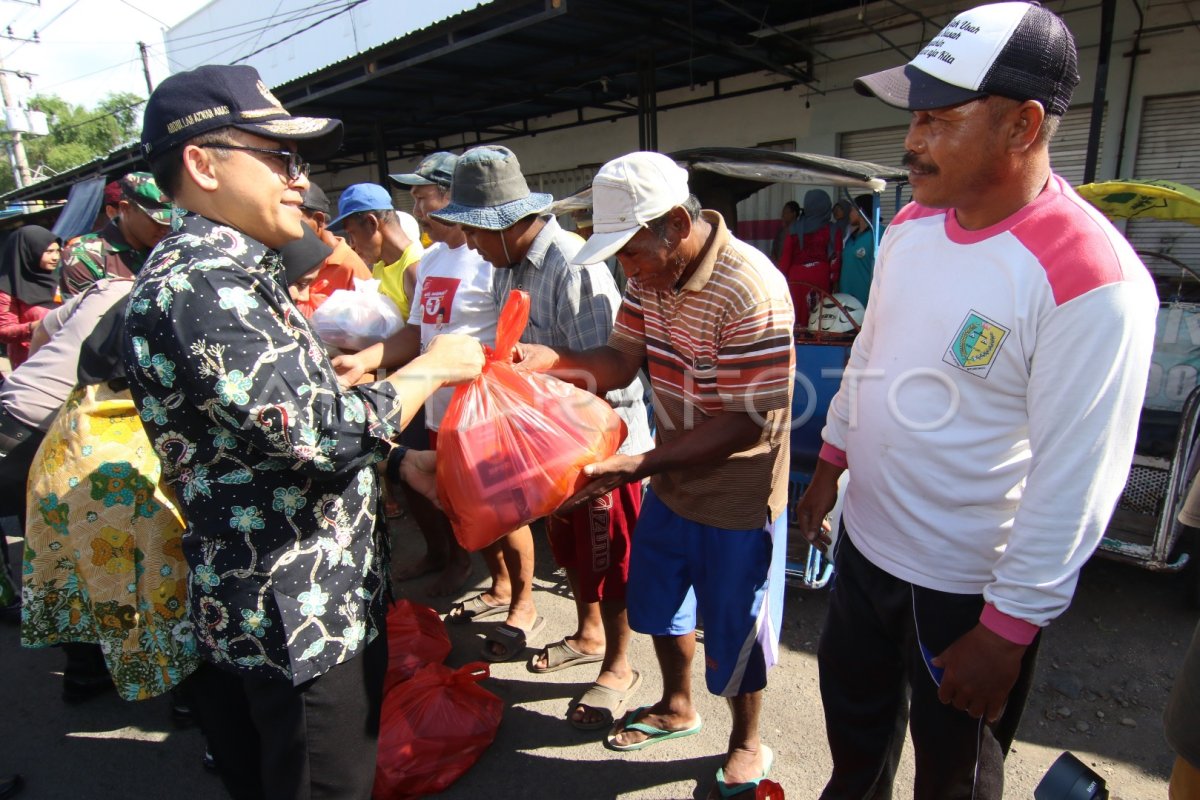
188,104
362,197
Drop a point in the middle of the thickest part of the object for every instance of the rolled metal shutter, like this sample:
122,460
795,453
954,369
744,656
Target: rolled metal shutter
1068,151
1168,150
1068,148
562,183
879,146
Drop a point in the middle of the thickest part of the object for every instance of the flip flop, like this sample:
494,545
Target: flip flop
475,609
602,698
561,655
511,639
656,734
732,791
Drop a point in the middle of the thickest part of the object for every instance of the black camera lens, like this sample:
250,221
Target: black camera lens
1070,779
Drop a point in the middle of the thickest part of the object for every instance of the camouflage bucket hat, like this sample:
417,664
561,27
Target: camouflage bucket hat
140,189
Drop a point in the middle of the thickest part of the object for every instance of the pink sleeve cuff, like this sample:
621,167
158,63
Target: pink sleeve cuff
1017,631
833,455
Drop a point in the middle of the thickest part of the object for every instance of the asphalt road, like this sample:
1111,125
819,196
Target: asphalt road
1108,664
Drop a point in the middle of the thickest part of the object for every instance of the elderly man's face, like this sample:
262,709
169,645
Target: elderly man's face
652,260
364,237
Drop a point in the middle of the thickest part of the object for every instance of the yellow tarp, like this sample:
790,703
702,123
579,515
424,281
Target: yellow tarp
1139,199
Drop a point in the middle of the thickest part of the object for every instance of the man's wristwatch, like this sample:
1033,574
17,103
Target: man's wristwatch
394,460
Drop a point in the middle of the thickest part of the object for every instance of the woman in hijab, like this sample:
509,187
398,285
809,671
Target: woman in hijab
841,219
28,286
811,250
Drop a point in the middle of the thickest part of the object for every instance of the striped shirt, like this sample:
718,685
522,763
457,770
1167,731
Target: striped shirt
720,344
573,306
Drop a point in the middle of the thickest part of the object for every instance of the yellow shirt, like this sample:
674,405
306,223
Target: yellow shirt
391,276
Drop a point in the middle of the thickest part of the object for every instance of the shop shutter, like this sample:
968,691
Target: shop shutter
1068,148
879,146
1068,151
1167,150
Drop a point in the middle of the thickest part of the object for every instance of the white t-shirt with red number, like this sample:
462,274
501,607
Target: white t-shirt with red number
453,295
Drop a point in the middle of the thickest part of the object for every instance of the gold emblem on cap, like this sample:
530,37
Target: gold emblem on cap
294,125
270,98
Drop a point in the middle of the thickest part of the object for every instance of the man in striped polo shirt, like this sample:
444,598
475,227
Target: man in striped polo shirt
711,317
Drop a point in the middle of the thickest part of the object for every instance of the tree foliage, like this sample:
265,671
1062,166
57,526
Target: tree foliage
78,134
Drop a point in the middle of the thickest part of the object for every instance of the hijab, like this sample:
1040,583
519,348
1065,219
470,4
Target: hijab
21,274
841,227
816,212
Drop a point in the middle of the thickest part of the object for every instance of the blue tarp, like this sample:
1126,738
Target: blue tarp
83,204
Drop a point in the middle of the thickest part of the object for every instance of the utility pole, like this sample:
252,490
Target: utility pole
16,148
146,68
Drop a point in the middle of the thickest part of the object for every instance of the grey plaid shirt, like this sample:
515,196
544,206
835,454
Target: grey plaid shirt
573,306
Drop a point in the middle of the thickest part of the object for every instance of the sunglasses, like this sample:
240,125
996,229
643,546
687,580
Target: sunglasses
292,162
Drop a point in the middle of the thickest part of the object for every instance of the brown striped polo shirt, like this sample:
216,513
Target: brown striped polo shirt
720,344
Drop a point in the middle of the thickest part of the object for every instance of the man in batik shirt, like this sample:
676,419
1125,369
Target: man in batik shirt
271,463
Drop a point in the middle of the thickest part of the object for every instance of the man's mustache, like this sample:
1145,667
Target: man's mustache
909,159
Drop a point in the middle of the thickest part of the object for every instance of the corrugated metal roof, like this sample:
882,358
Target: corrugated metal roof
491,71
486,74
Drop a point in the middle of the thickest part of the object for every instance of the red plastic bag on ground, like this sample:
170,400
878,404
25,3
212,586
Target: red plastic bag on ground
416,636
513,445
433,728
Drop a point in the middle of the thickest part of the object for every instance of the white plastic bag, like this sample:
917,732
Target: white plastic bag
356,319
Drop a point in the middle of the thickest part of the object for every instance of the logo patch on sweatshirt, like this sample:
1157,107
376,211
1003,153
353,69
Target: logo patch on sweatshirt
976,344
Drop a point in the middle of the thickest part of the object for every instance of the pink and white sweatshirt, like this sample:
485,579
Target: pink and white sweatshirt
989,410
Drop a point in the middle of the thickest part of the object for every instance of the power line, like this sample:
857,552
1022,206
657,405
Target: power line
294,34
145,13
42,28
296,15
110,113
258,38
89,74
241,38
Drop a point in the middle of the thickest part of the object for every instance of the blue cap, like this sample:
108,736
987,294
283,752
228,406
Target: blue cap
362,197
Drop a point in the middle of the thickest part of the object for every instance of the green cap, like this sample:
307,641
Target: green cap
139,188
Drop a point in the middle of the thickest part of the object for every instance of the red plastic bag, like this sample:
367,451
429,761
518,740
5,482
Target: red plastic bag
416,636
433,728
513,445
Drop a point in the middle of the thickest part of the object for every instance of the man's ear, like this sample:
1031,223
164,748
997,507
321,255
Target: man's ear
198,165
372,223
680,222
1027,124
322,220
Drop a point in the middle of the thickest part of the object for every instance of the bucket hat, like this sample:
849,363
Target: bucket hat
489,191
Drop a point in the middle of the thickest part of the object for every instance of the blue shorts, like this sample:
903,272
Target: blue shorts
733,578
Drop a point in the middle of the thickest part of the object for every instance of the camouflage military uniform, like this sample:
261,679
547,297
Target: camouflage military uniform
92,256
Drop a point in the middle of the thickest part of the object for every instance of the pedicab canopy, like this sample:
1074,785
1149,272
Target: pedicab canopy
1175,366
1139,199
